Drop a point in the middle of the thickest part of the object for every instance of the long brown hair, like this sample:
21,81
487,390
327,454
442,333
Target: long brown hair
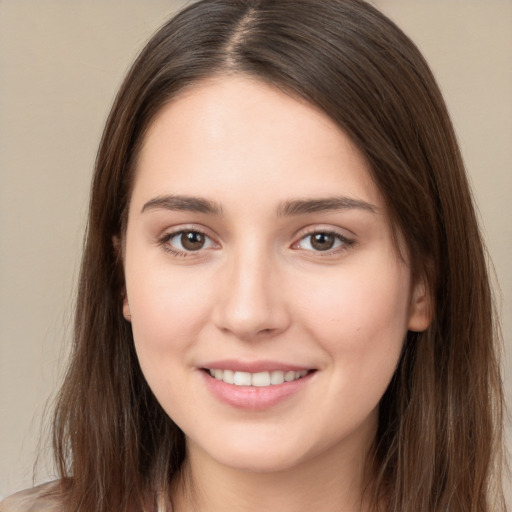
439,435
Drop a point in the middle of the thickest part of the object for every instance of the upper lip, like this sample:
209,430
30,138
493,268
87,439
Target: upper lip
253,366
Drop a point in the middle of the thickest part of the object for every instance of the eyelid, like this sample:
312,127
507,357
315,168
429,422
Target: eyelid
170,233
347,242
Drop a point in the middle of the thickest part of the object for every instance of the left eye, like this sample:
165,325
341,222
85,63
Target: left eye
322,241
189,241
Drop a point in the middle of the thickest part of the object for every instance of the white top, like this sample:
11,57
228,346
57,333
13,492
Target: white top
36,499
32,500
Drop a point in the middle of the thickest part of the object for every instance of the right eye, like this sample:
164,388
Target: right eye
186,241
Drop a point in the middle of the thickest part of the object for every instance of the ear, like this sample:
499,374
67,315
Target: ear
420,312
126,309
118,246
118,249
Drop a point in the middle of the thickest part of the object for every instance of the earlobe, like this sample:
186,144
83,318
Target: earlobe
420,315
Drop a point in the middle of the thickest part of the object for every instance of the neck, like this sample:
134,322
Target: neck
331,482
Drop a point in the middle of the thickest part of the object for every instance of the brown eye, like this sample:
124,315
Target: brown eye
329,242
184,243
192,240
322,241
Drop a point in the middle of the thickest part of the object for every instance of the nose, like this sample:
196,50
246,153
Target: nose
251,302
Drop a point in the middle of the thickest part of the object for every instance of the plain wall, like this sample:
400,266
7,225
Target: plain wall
61,63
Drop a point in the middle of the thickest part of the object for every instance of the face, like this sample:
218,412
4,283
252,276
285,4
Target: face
267,299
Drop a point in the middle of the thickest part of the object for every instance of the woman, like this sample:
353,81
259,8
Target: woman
283,300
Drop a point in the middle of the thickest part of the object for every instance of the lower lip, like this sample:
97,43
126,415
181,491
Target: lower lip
252,397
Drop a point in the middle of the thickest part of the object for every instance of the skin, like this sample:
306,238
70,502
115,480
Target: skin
258,290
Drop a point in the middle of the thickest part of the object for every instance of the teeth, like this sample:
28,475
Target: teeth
228,376
276,377
289,376
242,379
260,379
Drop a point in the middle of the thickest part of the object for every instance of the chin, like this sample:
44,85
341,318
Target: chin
259,460
252,451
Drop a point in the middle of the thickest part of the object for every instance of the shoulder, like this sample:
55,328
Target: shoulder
43,498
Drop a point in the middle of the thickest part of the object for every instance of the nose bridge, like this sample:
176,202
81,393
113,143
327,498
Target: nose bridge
251,303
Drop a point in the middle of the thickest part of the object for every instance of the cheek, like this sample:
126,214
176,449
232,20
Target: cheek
169,310
360,317
168,307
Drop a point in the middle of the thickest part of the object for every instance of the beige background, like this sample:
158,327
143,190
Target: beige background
61,62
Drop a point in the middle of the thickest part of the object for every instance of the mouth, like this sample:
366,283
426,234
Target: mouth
258,379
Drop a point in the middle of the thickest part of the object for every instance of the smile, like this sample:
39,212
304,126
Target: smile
256,390
259,379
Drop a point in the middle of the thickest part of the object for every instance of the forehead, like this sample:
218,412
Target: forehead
242,136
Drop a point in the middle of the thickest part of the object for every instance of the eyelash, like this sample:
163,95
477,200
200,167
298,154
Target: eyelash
165,242
344,242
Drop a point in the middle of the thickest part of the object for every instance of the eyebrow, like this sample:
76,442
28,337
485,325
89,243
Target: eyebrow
183,203
285,209
303,206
